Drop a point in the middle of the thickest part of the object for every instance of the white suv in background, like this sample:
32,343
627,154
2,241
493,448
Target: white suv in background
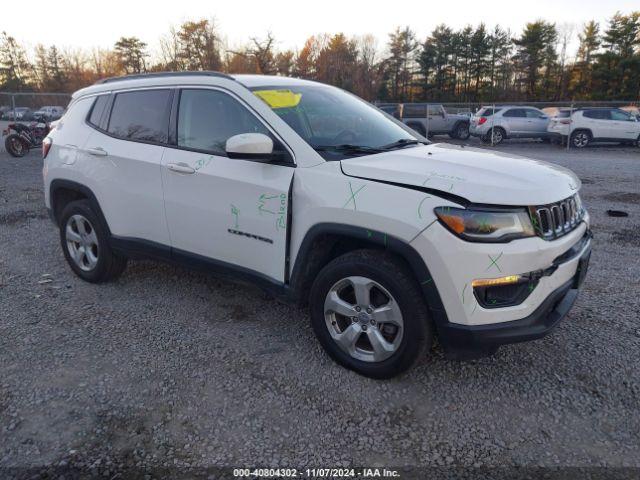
495,124
320,199
589,125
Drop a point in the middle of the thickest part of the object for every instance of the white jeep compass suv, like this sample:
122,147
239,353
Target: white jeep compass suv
319,198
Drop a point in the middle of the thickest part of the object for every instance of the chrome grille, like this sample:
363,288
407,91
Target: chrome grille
557,219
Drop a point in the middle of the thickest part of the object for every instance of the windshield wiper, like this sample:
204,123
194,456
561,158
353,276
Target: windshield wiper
403,142
348,148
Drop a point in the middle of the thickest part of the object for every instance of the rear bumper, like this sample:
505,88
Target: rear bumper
467,341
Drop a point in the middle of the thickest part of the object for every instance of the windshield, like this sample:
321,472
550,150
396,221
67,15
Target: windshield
336,124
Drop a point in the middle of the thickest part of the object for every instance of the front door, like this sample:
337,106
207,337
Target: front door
229,210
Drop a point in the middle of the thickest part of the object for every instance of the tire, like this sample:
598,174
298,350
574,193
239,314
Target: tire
408,333
580,139
461,131
498,135
85,244
418,127
16,146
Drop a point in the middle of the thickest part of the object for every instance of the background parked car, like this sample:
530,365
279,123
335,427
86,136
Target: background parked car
433,119
21,114
509,121
50,112
588,125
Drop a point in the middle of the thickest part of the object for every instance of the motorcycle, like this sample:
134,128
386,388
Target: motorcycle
21,138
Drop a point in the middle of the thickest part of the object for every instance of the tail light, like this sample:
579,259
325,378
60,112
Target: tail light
566,121
46,146
482,120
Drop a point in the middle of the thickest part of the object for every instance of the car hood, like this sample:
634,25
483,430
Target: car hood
474,174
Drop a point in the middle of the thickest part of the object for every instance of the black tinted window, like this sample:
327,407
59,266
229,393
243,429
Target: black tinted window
140,115
514,112
208,118
414,111
98,109
487,112
597,114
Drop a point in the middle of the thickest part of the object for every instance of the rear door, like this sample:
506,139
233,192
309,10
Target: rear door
598,122
515,120
232,211
123,156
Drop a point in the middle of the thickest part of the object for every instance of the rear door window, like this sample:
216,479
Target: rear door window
141,115
515,113
597,114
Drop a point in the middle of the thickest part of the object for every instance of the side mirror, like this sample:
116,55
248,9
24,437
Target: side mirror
254,146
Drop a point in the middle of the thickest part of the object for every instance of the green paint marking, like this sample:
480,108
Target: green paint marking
474,308
464,290
427,281
420,206
203,162
385,239
369,234
352,198
235,212
494,261
262,200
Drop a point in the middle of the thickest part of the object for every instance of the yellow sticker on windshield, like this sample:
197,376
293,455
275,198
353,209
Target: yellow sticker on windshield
279,98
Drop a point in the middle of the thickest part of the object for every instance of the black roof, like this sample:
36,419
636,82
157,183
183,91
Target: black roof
136,76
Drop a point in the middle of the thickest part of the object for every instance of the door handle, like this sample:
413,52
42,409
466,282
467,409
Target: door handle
180,168
97,152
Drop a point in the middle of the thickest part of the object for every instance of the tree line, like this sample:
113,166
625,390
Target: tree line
473,64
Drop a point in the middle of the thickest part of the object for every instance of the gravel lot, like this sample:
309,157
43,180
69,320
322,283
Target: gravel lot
169,368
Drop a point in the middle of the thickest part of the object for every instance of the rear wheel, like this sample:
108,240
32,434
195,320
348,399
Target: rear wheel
369,315
495,136
580,139
85,244
16,146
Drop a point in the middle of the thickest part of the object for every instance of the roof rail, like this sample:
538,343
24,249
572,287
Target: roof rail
136,76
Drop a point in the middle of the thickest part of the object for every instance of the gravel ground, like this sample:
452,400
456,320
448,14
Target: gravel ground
169,368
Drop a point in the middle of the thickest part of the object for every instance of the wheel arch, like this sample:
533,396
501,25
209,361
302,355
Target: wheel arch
62,192
418,127
326,241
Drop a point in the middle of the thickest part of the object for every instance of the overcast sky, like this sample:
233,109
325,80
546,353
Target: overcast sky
99,24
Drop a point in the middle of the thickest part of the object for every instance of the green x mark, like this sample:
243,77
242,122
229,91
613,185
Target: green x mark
494,261
352,198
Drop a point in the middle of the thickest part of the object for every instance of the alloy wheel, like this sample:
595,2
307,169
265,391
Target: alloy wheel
580,140
82,242
364,319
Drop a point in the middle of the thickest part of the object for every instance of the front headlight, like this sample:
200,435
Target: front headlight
486,225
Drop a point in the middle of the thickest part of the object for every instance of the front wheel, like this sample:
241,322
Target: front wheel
368,313
16,145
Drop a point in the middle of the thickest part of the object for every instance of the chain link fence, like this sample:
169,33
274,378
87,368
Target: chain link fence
430,113
19,106
22,107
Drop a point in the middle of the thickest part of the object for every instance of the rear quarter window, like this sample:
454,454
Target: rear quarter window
487,112
141,115
97,110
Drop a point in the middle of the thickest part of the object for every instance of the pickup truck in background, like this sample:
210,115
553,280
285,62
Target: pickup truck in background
432,119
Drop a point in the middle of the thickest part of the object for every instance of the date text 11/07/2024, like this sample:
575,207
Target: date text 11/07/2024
364,473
